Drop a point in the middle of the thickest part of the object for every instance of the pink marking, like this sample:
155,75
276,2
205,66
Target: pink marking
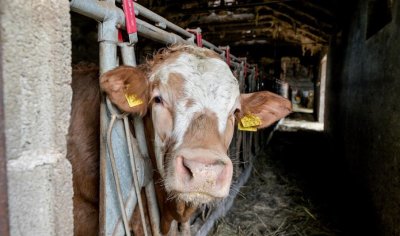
130,18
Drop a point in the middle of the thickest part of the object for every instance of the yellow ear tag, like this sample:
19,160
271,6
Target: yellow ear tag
240,127
132,100
249,122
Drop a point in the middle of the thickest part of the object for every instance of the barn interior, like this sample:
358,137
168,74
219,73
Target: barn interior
340,61
331,168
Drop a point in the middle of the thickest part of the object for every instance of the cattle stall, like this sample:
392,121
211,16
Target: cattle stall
330,168
126,170
344,43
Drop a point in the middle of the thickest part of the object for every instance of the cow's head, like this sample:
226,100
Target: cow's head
194,100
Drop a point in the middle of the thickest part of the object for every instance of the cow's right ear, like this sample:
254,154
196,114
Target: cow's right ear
127,88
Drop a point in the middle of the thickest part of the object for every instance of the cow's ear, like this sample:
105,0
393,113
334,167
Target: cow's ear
267,107
127,88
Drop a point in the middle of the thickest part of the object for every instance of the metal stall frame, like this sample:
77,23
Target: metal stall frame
132,152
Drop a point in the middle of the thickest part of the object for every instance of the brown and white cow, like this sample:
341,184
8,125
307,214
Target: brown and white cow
190,100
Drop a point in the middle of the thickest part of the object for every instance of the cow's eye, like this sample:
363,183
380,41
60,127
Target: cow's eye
158,99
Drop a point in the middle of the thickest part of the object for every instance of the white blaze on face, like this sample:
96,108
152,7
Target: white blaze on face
208,84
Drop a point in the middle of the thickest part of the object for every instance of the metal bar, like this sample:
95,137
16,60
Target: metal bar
107,61
4,221
128,58
108,55
238,144
152,32
106,10
99,10
135,169
146,13
128,54
116,176
153,208
217,49
149,188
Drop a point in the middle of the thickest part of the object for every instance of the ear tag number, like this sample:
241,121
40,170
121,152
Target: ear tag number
133,100
249,122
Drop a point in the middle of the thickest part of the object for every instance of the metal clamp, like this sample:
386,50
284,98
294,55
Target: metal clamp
227,53
199,37
130,20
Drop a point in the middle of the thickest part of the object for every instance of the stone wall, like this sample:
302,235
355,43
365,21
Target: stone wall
36,45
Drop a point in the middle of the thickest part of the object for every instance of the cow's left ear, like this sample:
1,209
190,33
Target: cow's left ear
127,87
267,106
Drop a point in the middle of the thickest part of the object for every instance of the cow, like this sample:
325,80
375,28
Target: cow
83,148
190,103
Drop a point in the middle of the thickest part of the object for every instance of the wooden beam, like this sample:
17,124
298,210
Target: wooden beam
266,23
280,12
203,8
306,17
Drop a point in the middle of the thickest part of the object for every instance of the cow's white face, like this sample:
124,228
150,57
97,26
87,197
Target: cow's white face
194,99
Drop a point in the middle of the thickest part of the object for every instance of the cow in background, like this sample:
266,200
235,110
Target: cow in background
190,102
83,148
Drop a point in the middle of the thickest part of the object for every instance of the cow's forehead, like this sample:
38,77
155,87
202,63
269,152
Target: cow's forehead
208,84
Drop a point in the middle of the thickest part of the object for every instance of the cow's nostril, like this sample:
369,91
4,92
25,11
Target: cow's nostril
187,169
183,169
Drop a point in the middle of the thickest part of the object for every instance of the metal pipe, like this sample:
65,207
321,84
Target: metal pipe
128,58
104,10
134,153
149,188
218,50
146,13
107,36
108,56
116,176
154,33
153,208
108,12
99,10
128,54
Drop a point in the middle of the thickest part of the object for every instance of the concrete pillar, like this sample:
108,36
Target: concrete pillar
40,194
37,96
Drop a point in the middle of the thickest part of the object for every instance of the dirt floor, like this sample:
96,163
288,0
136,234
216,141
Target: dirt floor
297,188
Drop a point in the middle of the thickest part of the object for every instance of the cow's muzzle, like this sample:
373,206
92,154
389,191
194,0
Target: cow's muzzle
200,175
